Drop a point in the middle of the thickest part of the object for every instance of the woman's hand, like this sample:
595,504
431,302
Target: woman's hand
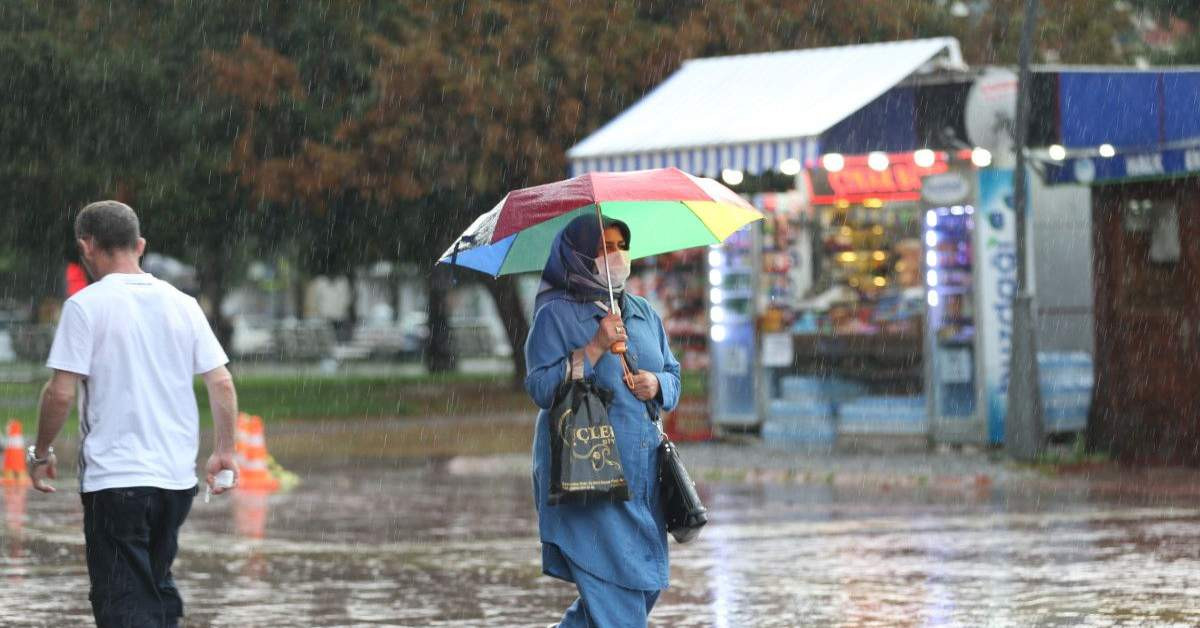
610,331
645,386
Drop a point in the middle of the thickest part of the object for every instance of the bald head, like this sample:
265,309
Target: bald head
109,225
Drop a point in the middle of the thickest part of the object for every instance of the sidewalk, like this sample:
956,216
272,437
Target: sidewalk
752,461
961,472
500,445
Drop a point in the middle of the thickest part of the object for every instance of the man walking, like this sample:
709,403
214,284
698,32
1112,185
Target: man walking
132,345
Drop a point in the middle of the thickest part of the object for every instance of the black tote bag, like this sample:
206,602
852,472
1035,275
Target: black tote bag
585,465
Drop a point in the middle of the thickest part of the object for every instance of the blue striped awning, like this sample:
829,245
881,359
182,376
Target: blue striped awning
708,161
754,112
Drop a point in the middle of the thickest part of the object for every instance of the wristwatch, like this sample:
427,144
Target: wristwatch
32,460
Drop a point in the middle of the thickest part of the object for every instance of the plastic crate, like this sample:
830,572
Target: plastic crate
1066,423
801,387
1057,401
785,409
1066,380
883,407
1066,369
883,415
799,433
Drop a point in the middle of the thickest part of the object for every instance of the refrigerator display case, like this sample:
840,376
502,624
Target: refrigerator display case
734,369
970,279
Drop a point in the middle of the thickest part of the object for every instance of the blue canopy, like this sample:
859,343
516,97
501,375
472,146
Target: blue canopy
1148,117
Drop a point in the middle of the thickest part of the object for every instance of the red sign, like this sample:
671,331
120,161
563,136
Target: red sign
857,181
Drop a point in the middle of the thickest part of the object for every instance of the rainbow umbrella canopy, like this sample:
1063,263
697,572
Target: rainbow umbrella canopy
666,210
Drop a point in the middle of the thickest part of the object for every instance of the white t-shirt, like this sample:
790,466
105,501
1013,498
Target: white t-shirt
139,343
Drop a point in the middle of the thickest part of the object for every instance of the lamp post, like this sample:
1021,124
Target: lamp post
1024,435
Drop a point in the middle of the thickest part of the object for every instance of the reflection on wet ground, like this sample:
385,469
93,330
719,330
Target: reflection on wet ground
455,544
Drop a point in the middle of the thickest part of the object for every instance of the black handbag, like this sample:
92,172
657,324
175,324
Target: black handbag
585,465
685,514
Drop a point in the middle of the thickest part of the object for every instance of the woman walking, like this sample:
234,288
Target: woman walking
614,551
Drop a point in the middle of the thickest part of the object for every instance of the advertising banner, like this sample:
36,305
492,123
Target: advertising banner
1125,166
996,277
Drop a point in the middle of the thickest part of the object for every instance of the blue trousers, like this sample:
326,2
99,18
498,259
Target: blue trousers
602,604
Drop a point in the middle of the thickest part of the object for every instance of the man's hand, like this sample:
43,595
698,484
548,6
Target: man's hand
39,474
53,408
222,399
645,386
217,463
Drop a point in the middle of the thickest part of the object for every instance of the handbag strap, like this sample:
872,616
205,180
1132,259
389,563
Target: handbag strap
652,410
575,369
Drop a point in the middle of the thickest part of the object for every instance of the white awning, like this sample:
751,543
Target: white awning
752,112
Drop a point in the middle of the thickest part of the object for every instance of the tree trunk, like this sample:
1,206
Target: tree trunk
394,291
279,292
298,285
516,325
47,283
213,287
346,326
439,354
352,314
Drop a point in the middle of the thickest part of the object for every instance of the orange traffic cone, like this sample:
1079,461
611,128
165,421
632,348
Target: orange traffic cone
14,516
250,512
251,450
250,509
15,471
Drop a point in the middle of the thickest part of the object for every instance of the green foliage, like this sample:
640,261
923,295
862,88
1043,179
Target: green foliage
1059,459
1186,53
1165,9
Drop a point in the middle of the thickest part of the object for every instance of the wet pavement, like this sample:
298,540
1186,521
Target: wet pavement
453,542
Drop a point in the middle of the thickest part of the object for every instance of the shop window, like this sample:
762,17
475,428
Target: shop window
1152,248
1164,235
1160,221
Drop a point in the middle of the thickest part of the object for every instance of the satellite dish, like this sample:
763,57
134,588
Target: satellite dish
991,112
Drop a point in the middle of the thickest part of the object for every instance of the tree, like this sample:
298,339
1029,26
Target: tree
1068,31
470,100
102,107
125,101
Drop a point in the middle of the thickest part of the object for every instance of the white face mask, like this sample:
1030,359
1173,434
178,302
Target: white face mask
618,268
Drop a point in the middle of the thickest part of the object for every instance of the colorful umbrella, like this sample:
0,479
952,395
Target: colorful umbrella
666,210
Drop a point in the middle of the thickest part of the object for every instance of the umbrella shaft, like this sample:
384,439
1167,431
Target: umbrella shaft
607,274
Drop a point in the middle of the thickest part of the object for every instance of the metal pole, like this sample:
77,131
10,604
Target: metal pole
1023,426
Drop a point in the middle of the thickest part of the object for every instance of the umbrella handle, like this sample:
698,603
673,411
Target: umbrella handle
619,347
627,373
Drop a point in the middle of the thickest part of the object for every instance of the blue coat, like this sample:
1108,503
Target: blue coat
624,543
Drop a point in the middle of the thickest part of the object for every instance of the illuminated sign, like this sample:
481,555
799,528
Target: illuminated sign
1155,164
857,181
